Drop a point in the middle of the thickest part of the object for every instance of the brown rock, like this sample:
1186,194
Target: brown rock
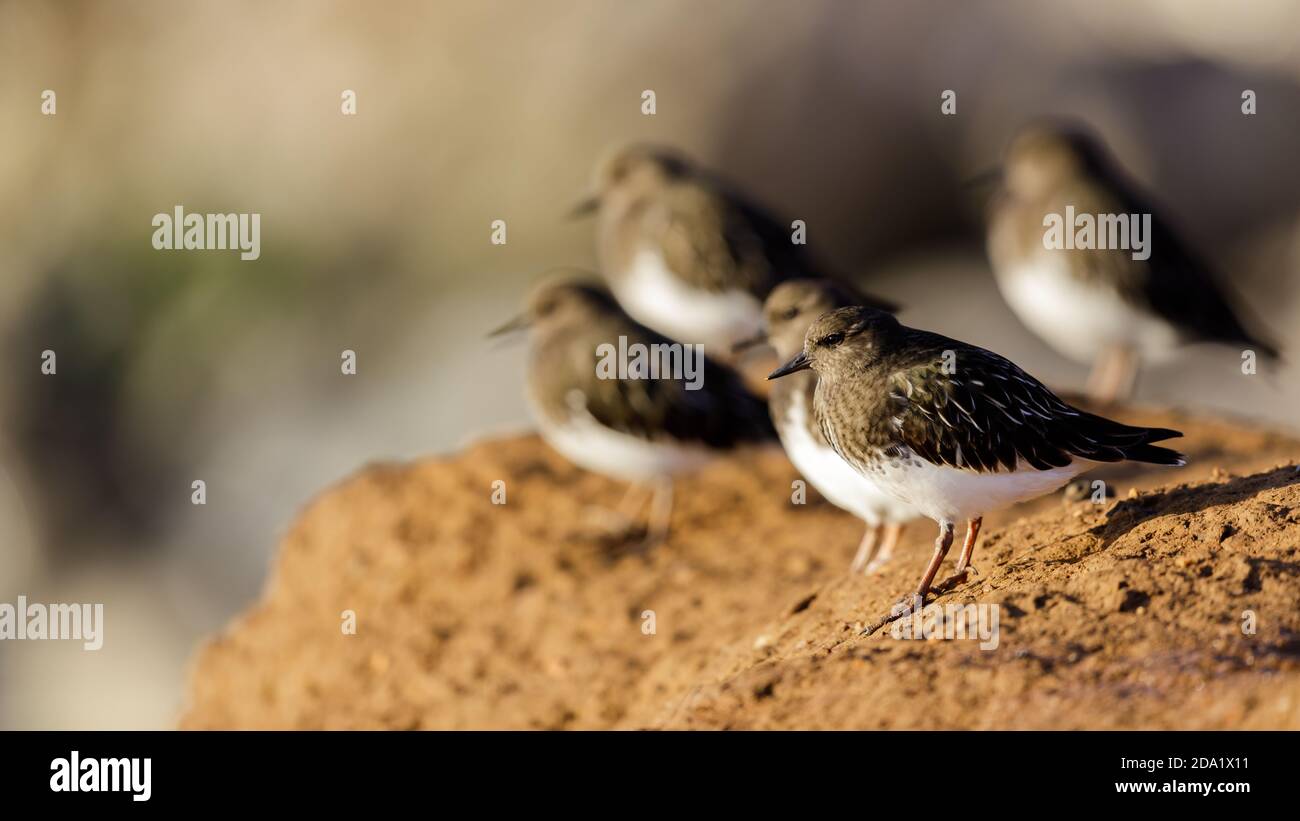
475,615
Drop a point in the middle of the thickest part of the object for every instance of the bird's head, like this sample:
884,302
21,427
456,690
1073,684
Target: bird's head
793,305
1047,156
631,173
841,341
561,303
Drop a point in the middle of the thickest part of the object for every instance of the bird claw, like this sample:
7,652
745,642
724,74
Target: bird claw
902,608
952,581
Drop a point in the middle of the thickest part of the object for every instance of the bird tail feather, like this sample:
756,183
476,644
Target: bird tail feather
1155,455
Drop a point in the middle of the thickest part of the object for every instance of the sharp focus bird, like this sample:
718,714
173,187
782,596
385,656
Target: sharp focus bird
950,428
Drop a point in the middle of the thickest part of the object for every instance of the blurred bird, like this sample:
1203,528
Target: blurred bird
955,430
684,252
1099,306
639,425
790,309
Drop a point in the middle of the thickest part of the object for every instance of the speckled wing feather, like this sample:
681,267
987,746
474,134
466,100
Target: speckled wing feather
718,242
722,413
1174,283
988,414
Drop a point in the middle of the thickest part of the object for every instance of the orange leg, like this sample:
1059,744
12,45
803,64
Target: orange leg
866,549
963,561
967,549
941,546
661,511
1113,375
893,531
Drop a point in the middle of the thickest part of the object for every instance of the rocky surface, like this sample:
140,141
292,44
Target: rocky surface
1171,604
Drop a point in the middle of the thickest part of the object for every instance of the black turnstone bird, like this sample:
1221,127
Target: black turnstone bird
684,252
1117,287
790,309
953,429
614,397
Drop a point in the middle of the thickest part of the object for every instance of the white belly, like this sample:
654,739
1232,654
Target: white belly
1081,319
833,477
948,494
653,296
592,446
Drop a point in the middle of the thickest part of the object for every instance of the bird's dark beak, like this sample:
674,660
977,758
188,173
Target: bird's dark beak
746,344
585,208
799,363
989,176
519,323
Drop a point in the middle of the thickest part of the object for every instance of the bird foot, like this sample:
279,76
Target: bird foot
874,566
954,580
649,543
614,532
905,606
607,522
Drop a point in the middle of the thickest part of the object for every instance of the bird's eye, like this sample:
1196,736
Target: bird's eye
789,313
832,339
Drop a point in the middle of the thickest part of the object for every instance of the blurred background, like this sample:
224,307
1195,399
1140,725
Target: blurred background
176,366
